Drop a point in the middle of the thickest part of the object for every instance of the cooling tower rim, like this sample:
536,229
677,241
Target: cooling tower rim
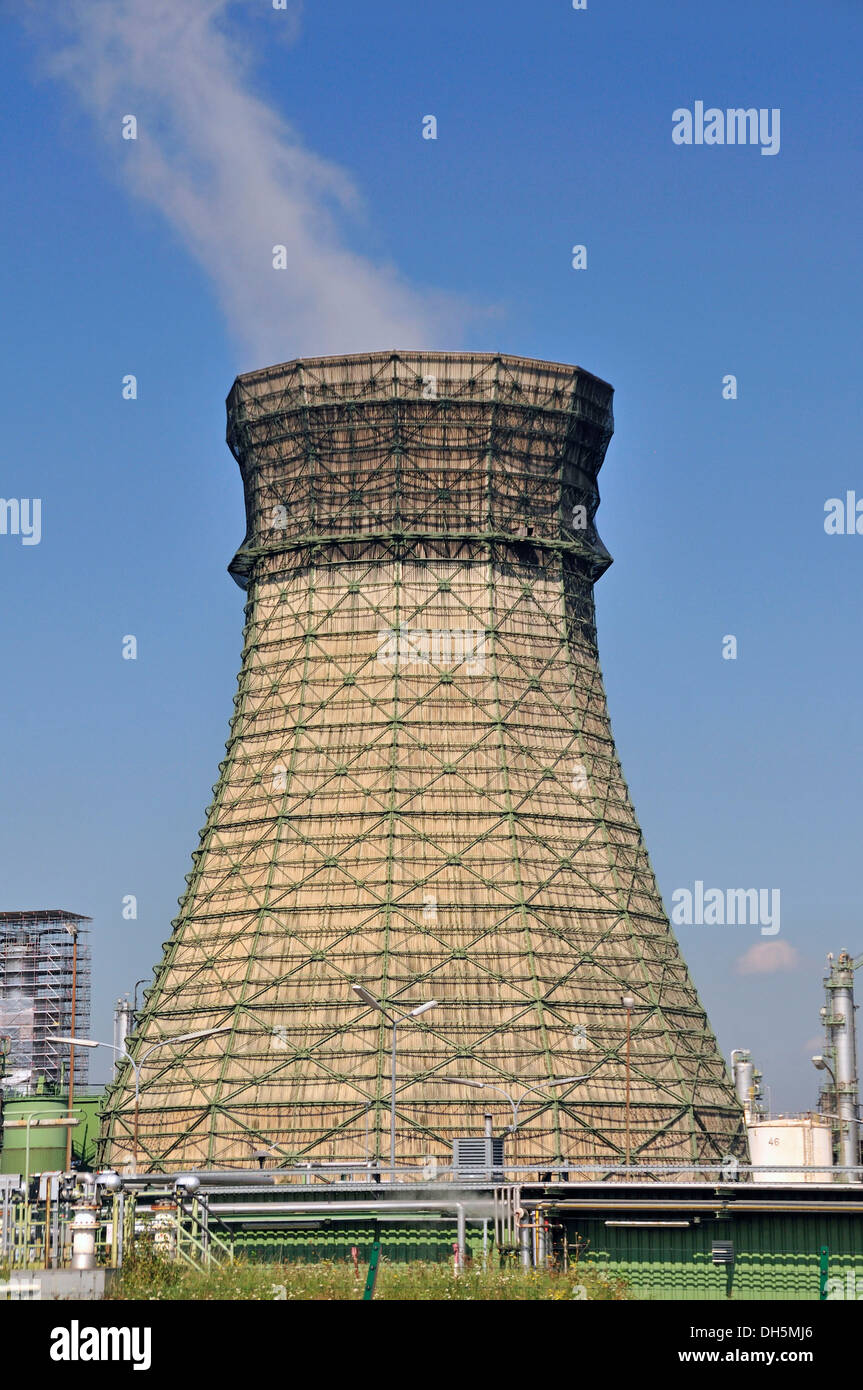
562,369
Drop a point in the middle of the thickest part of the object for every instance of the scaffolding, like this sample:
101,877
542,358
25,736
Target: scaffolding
421,796
39,967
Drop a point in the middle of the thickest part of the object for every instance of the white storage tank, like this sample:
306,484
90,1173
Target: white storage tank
795,1140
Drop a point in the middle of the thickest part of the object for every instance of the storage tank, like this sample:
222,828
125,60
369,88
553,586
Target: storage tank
793,1140
44,1149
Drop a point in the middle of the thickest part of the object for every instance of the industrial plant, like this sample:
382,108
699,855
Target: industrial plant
422,995
44,988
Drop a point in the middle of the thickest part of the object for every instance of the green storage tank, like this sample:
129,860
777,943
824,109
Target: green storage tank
47,1143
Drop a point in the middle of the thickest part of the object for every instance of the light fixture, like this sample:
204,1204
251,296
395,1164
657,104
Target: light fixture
366,997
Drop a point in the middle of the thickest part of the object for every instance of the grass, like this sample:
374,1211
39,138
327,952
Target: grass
148,1275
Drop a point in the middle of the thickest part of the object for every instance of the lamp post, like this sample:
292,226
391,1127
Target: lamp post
30,1118
367,1108
72,929
368,998
629,1004
535,1090
137,1065
821,1064
847,1114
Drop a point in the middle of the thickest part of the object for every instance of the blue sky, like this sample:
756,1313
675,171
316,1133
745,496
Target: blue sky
554,129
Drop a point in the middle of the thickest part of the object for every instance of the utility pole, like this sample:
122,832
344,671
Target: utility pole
629,1004
73,932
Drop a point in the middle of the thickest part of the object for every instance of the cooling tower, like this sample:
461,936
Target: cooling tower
421,797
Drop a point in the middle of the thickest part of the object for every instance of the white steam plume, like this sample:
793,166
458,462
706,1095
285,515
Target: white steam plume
234,180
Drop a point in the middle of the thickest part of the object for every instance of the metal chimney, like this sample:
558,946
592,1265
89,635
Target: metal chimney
842,1046
122,1025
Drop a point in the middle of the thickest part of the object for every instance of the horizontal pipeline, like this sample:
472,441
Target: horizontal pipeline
478,1210
635,1172
730,1207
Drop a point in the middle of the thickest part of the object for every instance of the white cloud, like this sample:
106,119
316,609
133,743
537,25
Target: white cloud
234,179
767,958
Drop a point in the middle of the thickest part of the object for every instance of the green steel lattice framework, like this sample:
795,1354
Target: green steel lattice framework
421,794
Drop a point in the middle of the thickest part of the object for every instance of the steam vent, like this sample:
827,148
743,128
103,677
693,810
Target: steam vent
421,796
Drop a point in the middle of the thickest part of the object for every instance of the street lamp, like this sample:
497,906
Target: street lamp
137,1065
629,1004
821,1064
368,998
488,1086
72,929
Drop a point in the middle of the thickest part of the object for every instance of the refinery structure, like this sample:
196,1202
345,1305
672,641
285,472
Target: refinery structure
44,991
421,894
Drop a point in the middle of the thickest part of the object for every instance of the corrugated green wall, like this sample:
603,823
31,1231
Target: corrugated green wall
775,1256
431,1241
